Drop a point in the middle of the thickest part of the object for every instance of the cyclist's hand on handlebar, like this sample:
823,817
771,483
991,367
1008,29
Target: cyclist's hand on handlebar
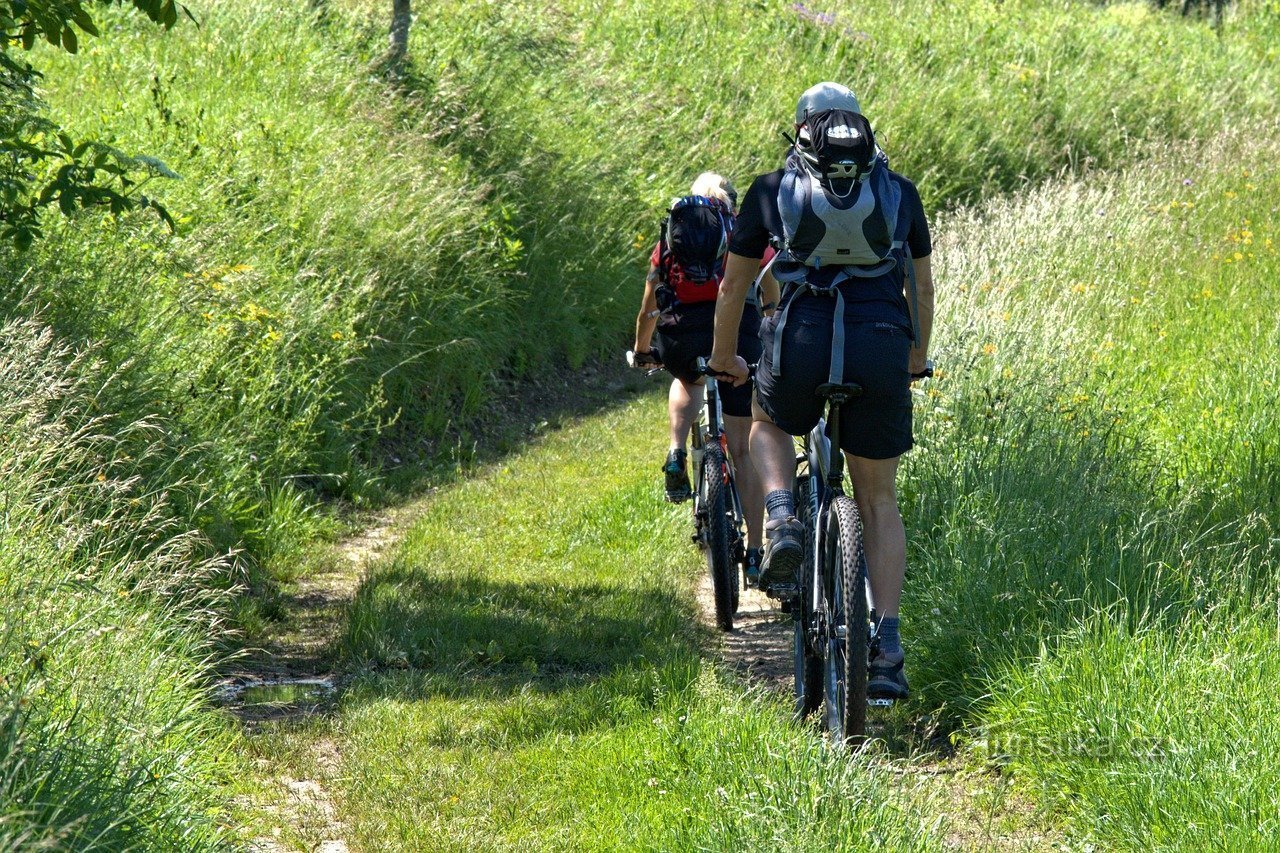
920,369
735,371
642,359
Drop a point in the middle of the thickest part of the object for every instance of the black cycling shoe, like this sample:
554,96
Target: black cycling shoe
783,553
885,678
678,489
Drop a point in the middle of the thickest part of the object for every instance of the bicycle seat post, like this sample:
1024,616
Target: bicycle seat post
836,396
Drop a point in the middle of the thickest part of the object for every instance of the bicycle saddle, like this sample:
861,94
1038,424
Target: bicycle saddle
839,393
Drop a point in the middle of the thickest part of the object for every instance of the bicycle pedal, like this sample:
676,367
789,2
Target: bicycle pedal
879,702
784,592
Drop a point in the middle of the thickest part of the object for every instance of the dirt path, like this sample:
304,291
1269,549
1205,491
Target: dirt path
292,678
759,647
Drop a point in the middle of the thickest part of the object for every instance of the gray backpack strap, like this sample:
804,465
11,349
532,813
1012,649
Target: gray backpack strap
777,330
755,285
836,374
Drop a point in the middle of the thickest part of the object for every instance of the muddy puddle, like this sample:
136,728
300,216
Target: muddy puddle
267,698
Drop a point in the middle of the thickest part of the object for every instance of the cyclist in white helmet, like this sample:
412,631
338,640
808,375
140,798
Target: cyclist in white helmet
830,203
675,328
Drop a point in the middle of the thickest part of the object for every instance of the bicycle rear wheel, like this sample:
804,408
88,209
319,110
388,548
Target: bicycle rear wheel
845,580
720,562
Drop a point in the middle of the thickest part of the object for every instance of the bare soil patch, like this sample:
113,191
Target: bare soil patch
292,678
759,646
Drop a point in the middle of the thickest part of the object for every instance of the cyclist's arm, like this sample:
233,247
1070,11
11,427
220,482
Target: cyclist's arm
647,320
770,293
739,273
924,302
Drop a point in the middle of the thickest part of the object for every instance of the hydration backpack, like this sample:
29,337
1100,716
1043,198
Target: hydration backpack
837,201
839,209
691,247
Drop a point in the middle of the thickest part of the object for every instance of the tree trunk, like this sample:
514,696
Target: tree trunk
401,16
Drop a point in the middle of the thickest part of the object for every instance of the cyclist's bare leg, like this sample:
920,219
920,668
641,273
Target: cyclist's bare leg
738,432
773,451
883,536
684,400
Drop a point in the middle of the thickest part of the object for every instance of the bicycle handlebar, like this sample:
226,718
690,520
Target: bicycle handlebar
705,369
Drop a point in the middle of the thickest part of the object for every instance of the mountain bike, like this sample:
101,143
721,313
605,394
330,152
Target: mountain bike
833,625
717,509
718,519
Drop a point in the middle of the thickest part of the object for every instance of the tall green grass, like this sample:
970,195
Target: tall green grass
353,258
358,265
105,738
1094,503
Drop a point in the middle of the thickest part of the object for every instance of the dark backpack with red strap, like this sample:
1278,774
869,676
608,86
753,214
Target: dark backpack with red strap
691,248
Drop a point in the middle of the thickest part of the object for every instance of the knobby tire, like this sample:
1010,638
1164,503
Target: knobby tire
845,575
720,562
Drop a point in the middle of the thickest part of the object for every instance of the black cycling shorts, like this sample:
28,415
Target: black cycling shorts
876,425
681,344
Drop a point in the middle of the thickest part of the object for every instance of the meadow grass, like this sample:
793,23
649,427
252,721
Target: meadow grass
357,262
1090,606
530,675
109,604
1092,504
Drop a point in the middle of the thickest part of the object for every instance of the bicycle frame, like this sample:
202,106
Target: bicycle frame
820,481
825,469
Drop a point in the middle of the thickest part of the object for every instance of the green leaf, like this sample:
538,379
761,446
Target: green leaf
69,40
84,22
28,37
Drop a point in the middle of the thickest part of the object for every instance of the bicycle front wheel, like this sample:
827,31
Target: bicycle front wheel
719,530
844,573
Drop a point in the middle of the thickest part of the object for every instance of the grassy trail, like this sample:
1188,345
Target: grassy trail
1089,544
529,666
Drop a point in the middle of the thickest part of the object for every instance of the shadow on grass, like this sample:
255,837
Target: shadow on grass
499,662
404,616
